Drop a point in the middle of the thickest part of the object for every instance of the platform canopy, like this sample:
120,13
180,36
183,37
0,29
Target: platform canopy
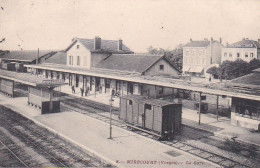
151,80
30,79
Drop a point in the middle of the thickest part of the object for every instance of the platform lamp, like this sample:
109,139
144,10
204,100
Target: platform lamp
111,101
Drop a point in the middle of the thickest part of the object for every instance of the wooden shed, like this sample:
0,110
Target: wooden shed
7,87
44,98
158,117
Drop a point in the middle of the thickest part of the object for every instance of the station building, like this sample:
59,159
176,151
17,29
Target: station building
98,65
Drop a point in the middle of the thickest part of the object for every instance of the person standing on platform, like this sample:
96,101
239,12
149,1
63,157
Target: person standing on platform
82,91
73,89
87,90
100,89
113,92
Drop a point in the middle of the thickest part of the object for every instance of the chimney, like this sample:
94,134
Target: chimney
190,39
120,44
258,40
220,40
211,39
227,44
243,39
246,38
97,43
205,39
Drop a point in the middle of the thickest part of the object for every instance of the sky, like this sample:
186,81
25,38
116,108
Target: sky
51,24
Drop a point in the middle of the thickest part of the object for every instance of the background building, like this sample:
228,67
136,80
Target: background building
198,56
245,50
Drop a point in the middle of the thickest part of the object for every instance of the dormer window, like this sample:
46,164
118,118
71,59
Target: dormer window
77,46
161,67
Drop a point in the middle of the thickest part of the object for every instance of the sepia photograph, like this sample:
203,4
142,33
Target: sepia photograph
130,83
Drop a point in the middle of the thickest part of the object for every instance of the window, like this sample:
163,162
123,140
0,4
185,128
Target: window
188,60
184,60
160,90
187,53
70,60
230,54
148,106
203,61
78,60
225,54
246,54
197,60
251,55
161,67
238,55
130,102
77,46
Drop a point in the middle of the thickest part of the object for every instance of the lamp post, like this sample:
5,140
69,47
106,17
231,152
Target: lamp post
110,125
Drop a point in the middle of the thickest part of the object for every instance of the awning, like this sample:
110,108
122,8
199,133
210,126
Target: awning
192,69
185,68
198,69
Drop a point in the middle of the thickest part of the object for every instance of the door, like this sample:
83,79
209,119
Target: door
77,80
131,88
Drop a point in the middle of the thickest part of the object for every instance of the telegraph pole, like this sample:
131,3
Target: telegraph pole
199,107
217,106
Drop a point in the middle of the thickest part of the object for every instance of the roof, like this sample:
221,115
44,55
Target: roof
58,58
144,99
257,70
245,43
250,79
106,45
25,55
30,79
129,62
137,78
203,43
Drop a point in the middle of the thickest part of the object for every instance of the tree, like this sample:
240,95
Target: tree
233,69
152,50
254,64
175,56
213,71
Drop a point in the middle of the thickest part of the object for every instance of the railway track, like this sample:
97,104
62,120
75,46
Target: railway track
10,155
185,141
59,152
221,156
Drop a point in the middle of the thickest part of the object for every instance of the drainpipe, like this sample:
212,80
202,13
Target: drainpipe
211,40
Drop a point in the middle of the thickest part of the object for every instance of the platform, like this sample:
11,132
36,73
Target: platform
126,149
221,127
